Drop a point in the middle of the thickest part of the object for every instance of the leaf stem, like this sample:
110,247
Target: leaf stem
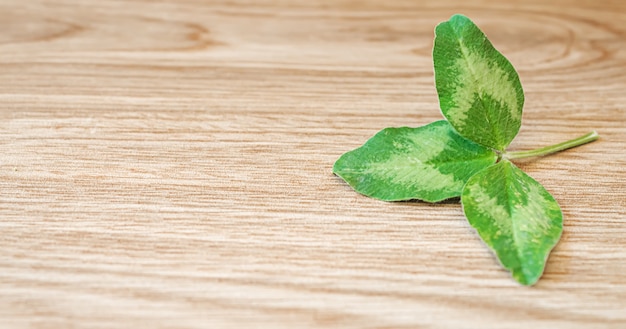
590,137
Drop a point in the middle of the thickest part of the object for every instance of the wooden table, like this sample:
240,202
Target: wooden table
167,164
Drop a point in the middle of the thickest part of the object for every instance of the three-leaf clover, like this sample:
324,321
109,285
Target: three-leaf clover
466,155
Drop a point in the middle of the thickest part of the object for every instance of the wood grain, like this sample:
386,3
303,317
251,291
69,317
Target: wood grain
167,164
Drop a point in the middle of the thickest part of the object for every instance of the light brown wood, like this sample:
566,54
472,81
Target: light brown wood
168,164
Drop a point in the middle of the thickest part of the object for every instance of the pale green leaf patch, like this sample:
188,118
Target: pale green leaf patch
430,163
515,216
479,90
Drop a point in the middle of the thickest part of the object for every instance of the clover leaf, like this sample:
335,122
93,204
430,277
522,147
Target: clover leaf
430,163
479,91
515,216
481,97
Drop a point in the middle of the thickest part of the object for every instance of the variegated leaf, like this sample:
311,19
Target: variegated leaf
430,163
515,216
480,93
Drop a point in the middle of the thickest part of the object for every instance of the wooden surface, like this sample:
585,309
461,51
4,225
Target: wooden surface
167,164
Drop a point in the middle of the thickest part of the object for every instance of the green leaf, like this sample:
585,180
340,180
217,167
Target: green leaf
430,163
515,216
482,99
480,93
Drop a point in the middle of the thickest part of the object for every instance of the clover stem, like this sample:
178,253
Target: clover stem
590,137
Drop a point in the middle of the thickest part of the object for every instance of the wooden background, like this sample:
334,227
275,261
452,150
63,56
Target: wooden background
167,164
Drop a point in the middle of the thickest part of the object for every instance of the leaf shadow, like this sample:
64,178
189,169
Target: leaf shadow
455,200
